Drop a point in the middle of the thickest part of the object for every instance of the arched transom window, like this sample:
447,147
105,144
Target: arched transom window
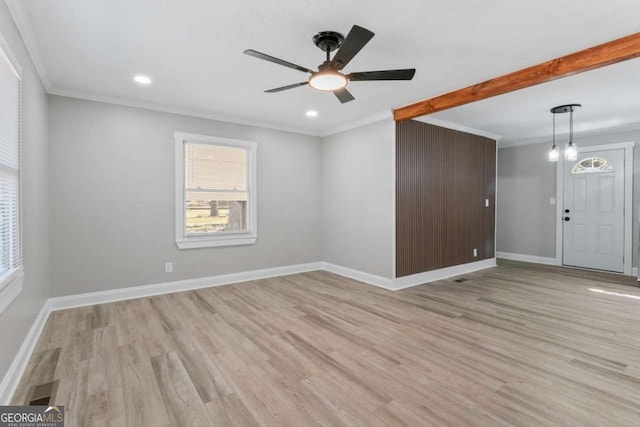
592,165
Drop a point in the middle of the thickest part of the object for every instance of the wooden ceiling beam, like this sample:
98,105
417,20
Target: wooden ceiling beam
595,57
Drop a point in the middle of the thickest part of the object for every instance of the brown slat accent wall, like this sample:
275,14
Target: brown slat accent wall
443,177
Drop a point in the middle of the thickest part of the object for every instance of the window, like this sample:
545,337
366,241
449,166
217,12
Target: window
592,165
215,191
10,233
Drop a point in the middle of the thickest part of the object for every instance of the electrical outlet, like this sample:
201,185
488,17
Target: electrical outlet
168,267
552,201
475,252
486,203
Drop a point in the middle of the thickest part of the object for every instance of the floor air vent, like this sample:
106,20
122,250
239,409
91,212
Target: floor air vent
41,395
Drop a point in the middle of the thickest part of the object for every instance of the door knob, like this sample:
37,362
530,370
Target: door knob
566,218
566,211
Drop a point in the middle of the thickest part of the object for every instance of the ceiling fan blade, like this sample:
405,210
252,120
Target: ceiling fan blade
406,74
280,89
355,41
343,95
275,60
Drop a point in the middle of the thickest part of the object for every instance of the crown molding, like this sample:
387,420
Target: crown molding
458,127
358,123
546,139
174,110
527,141
25,30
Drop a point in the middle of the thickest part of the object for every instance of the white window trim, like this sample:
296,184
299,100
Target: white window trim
223,239
12,280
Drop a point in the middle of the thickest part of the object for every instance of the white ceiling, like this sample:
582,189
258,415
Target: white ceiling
610,99
193,51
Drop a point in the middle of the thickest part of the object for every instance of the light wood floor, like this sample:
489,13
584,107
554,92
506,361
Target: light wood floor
516,345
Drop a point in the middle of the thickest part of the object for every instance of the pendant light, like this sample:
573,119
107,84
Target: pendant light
571,150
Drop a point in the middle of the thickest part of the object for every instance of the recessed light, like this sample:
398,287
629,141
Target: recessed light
312,113
143,80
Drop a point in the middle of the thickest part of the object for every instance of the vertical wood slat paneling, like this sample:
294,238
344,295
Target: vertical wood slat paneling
442,179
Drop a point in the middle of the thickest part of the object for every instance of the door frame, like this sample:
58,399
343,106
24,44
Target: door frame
628,200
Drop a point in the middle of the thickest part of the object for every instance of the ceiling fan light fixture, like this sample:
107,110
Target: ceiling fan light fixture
142,79
327,81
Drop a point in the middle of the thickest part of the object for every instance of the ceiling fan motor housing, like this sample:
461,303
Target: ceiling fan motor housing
328,40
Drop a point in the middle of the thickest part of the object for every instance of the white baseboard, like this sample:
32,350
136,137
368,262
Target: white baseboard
542,260
526,258
371,279
14,373
92,298
442,273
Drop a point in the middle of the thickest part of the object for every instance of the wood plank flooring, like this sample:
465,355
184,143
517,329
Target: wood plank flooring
519,344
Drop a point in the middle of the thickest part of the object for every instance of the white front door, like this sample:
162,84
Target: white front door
593,211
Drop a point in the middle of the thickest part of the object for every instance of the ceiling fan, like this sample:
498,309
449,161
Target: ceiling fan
329,76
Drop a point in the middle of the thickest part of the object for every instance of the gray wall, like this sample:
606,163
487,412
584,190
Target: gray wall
19,316
357,198
525,220
526,181
112,198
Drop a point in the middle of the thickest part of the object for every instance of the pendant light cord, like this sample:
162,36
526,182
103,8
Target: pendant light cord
554,130
571,126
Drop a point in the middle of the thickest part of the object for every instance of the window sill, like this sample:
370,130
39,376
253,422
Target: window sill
10,288
211,242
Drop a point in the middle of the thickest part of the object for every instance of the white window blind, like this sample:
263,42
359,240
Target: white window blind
216,188
10,235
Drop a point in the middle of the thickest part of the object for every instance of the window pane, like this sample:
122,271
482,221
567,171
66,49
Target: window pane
215,168
592,165
213,212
